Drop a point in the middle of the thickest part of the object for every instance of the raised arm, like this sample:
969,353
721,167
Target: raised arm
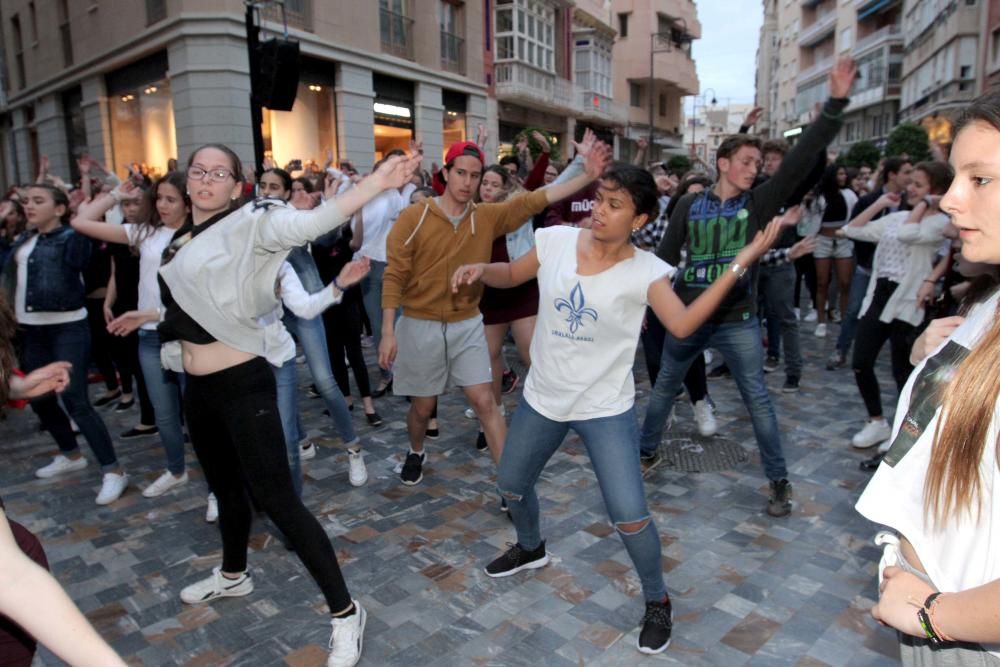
502,275
596,162
89,217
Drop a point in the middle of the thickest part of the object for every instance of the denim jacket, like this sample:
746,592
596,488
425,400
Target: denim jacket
522,240
54,281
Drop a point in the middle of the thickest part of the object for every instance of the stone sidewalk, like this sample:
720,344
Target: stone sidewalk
747,589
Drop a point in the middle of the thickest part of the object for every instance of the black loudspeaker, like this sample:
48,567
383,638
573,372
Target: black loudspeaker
278,77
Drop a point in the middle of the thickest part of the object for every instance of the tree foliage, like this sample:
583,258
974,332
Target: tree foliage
862,153
909,139
679,165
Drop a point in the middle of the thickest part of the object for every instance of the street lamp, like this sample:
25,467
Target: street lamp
694,117
665,40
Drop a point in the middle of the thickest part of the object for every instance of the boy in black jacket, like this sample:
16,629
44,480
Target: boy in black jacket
714,226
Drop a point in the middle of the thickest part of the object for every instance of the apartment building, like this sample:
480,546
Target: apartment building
141,82
942,67
708,126
989,67
654,70
768,69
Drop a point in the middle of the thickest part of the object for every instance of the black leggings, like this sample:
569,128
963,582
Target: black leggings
805,267
652,348
232,416
343,335
100,348
868,341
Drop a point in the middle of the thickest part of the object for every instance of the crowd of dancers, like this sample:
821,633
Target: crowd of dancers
194,292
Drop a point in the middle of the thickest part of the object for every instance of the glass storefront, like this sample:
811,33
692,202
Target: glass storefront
141,117
310,129
454,127
394,114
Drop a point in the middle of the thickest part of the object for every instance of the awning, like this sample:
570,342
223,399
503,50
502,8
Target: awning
878,6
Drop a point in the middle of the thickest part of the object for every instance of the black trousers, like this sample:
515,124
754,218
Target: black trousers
232,416
872,334
343,337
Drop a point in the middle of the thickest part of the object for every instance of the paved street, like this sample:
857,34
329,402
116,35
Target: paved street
747,589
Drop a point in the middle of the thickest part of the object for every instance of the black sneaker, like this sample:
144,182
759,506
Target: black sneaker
720,371
791,385
780,502
123,406
374,419
518,558
657,625
481,443
771,364
139,432
432,433
872,464
836,360
508,382
413,468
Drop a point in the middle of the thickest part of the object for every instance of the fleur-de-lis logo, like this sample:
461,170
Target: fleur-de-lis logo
576,307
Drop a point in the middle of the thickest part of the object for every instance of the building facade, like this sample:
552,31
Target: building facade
141,82
708,126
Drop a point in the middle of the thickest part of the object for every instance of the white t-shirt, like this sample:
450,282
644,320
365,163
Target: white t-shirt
378,216
150,251
587,330
965,551
36,318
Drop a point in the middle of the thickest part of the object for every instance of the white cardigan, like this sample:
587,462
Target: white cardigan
923,239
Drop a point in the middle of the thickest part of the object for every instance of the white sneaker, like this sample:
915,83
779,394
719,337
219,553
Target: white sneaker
470,414
212,511
164,483
705,417
307,451
820,330
347,638
874,432
60,464
217,586
810,316
112,488
356,472
798,314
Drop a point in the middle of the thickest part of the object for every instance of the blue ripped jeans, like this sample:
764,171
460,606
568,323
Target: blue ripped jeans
613,446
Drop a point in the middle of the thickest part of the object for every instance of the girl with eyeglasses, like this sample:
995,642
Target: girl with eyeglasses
218,279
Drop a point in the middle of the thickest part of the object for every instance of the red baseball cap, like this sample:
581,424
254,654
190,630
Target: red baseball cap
461,148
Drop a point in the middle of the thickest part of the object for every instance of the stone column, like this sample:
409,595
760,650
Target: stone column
51,127
355,116
429,120
482,110
95,118
210,87
21,135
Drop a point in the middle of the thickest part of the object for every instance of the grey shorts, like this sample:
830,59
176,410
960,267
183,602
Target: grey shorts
430,354
833,247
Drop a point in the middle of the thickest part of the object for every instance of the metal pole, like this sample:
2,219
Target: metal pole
652,82
256,109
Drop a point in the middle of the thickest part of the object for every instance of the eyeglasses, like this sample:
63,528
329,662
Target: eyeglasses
214,175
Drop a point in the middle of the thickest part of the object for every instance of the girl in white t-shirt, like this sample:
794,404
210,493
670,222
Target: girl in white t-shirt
171,208
594,287
935,488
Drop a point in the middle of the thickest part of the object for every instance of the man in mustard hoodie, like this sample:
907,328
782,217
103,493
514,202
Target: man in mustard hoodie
440,334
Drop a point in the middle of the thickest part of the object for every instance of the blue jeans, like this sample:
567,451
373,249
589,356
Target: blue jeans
165,394
371,297
286,379
311,335
613,446
777,286
741,349
849,324
41,345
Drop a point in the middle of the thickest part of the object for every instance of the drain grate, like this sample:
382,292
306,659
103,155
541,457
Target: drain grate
688,451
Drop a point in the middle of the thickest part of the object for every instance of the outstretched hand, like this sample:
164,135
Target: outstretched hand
762,242
467,274
597,160
753,116
842,77
353,272
585,145
396,171
128,322
52,377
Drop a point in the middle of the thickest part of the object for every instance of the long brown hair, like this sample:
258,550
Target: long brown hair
8,360
954,481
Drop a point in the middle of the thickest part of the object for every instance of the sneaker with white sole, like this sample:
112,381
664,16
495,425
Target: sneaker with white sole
810,316
347,638
212,511
470,414
656,628
357,473
112,488
874,432
307,451
217,586
704,415
820,331
517,558
413,468
61,465
164,483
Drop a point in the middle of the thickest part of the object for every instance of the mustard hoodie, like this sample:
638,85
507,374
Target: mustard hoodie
424,249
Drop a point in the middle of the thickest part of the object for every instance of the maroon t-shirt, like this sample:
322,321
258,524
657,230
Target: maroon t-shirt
573,209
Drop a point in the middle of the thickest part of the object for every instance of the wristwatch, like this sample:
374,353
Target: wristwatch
740,271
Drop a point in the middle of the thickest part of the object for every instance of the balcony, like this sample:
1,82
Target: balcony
298,14
824,26
887,35
520,82
866,8
673,68
452,53
601,108
820,68
397,34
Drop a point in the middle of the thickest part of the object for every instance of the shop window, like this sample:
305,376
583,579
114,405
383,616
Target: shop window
307,131
454,128
142,128
394,115
532,24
